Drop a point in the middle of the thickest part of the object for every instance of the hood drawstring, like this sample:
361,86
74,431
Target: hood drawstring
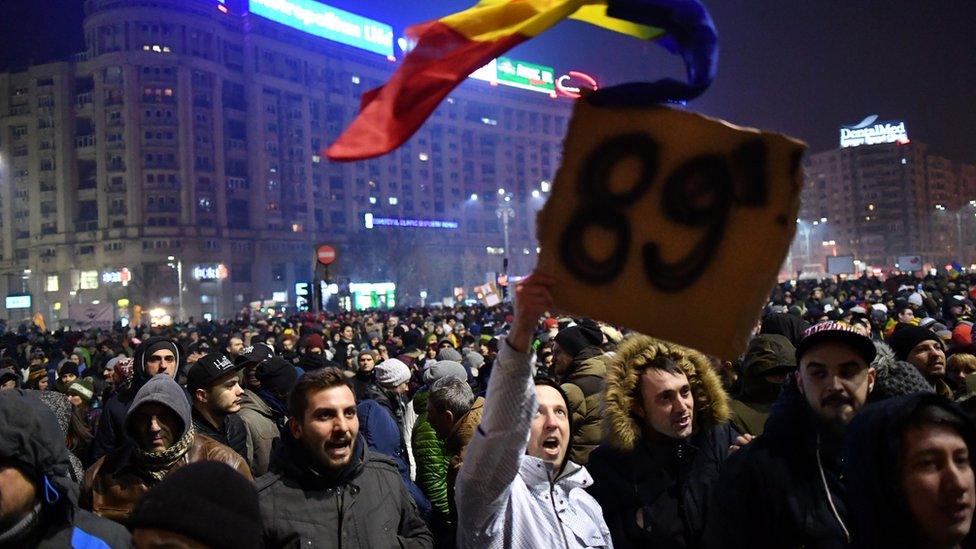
830,500
51,494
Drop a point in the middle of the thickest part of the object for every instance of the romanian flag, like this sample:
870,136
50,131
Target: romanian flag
449,49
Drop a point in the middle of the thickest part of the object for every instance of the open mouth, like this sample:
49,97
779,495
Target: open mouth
551,443
337,448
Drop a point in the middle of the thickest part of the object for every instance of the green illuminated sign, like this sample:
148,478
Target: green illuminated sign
528,76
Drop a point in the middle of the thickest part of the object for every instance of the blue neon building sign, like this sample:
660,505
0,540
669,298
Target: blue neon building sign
329,23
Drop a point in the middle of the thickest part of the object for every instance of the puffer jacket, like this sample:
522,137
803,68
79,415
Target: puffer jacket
110,434
783,489
432,460
263,425
583,384
117,481
365,505
455,446
664,483
30,435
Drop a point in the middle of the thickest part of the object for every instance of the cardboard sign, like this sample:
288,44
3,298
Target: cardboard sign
670,223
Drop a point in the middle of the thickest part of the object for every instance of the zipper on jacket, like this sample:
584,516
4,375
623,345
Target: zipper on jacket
559,520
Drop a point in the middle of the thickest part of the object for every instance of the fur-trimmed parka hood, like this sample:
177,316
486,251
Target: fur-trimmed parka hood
622,429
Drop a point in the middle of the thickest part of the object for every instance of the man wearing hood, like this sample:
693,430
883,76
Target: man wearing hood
156,355
768,361
516,487
785,488
581,369
667,435
325,488
909,469
160,427
38,500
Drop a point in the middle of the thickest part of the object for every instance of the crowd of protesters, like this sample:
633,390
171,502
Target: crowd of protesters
848,422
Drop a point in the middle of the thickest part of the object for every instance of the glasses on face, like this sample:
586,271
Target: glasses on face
169,359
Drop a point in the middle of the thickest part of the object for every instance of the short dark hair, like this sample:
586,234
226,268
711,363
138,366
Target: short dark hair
313,382
664,363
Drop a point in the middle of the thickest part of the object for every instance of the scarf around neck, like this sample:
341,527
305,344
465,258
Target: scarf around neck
158,464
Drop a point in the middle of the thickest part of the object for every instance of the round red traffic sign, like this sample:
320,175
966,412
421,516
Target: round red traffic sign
326,254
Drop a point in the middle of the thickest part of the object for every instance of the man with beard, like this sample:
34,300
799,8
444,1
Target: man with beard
156,355
785,488
325,487
924,350
163,440
217,395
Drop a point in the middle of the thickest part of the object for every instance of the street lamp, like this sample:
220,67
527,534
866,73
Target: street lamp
504,212
179,279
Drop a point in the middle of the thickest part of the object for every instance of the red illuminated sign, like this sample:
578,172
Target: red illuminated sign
565,84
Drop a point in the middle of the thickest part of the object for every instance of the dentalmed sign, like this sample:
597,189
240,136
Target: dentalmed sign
329,23
871,132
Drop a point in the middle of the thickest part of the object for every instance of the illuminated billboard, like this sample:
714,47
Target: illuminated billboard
370,221
329,23
871,132
518,74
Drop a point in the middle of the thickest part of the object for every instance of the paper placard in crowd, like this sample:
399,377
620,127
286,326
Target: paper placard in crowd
670,223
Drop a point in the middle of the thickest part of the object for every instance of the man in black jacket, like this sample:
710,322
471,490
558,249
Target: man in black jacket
216,395
668,432
785,488
325,488
39,501
156,355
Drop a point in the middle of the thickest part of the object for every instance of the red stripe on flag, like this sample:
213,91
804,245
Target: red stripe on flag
390,114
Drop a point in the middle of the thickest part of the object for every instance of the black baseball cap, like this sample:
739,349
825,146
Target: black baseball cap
254,354
209,369
837,332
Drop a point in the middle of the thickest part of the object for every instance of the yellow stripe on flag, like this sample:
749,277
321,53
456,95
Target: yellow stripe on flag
494,19
596,14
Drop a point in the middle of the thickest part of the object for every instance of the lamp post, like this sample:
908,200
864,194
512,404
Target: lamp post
179,279
504,211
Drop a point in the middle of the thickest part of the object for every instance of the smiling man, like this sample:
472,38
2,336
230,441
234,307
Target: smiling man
786,489
924,350
668,432
325,488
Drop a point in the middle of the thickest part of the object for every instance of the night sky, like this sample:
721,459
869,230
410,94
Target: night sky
800,67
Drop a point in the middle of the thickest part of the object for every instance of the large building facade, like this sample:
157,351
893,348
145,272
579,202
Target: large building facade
880,202
187,137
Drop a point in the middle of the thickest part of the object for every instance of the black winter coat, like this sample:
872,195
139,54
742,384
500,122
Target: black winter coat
666,481
775,492
232,434
366,505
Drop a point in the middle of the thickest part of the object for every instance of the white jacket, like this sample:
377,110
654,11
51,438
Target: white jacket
506,498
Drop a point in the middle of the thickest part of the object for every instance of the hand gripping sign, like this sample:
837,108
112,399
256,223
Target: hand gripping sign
669,222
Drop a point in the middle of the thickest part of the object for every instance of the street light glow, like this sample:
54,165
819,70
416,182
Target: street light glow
501,191
536,194
474,196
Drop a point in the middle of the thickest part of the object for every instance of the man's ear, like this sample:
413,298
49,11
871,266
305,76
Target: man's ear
872,374
201,396
295,427
799,381
450,416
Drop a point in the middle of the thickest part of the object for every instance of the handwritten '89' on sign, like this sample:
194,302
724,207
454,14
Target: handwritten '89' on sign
657,212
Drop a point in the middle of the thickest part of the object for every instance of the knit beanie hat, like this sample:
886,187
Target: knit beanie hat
7,374
449,354
277,375
445,368
391,373
68,367
314,341
205,493
35,373
83,388
906,337
576,338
